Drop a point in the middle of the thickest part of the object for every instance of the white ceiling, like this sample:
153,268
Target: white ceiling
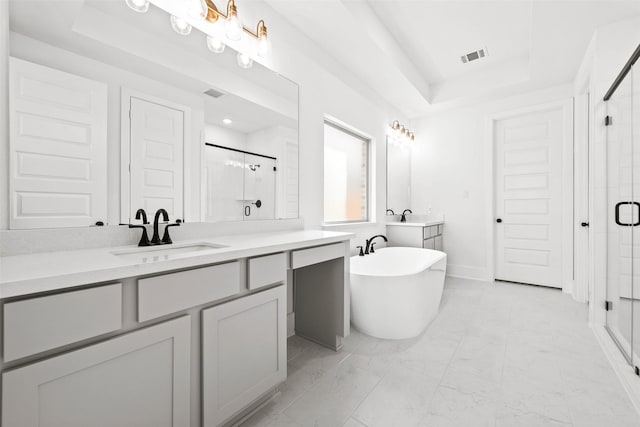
409,51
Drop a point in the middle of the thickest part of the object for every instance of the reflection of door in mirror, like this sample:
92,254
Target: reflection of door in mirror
157,144
259,187
398,177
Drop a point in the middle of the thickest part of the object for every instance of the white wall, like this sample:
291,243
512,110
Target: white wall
4,115
450,175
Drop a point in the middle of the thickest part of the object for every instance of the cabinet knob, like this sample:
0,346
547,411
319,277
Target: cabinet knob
499,220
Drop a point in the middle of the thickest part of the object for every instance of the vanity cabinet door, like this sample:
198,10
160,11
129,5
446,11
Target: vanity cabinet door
139,379
243,352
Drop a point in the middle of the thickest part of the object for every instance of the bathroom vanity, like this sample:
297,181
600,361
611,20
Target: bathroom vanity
187,334
426,234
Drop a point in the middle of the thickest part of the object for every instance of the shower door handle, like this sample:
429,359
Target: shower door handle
247,210
617,214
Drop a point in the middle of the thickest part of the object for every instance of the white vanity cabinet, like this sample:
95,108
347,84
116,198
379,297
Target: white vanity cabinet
244,348
138,379
419,235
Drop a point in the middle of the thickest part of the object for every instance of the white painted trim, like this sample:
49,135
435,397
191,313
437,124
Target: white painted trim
125,148
566,105
581,196
630,382
469,272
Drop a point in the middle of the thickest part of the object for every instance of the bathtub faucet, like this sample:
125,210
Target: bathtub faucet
367,248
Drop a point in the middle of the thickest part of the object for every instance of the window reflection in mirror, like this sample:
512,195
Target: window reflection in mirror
159,98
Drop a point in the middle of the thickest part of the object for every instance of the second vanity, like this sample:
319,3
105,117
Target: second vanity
183,335
420,232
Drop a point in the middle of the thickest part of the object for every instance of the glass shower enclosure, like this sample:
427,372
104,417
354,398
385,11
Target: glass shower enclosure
239,185
623,211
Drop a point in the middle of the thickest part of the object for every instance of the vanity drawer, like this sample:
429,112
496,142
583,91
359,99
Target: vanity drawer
39,324
316,255
266,270
170,293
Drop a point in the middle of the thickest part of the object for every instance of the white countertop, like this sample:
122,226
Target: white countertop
417,224
48,271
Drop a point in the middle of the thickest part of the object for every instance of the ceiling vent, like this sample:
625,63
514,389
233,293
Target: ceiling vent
214,93
474,55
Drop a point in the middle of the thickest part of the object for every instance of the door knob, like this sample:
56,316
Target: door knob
585,224
499,220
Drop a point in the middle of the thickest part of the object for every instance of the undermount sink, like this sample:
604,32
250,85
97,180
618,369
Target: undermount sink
164,252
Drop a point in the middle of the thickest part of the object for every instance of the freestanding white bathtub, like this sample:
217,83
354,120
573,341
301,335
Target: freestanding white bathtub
396,292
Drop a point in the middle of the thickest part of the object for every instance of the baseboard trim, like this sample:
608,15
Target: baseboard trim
630,381
468,272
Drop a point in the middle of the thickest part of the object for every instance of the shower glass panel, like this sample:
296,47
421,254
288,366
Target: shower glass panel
224,181
259,187
239,186
623,186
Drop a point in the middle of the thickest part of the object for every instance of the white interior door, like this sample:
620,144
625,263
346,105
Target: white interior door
156,162
58,148
528,197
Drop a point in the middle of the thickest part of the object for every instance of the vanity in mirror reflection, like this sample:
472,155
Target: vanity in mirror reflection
104,123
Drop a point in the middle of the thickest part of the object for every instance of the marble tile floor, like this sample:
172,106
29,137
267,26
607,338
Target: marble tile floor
498,354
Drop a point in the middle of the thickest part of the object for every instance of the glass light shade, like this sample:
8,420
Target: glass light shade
215,45
263,46
233,28
138,5
196,8
180,26
244,60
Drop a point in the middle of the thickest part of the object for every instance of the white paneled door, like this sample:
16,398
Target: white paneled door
58,148
528,197
157,152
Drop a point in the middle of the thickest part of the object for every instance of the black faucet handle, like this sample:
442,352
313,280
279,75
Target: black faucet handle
361,251
166,239
144,239
372,250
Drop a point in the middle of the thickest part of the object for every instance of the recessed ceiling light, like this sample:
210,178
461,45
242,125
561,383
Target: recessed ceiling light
472,56
227,121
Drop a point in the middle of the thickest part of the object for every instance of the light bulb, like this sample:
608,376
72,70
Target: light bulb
244,60
180,26
138,5
215,45
233,28
263,46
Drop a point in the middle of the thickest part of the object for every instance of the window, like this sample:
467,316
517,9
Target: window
346,172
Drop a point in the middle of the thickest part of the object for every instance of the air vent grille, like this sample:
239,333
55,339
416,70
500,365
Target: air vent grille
213,93
472,56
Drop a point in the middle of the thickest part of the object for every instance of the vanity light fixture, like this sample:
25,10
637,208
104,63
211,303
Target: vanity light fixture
233,27
398,134
138,5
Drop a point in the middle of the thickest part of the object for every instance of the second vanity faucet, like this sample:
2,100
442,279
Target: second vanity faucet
403,218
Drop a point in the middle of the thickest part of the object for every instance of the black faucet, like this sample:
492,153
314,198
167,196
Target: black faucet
144,239
155,240
404,218
166,239
391,210
368,246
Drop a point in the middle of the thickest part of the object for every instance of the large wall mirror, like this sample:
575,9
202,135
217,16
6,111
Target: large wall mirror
398,176
112,111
